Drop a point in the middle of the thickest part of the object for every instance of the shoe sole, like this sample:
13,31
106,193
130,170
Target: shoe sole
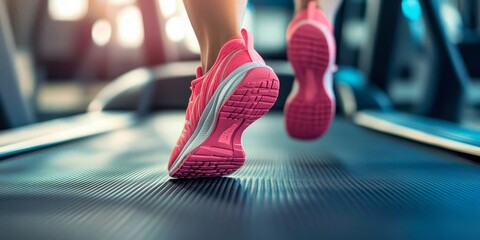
221,152
310,111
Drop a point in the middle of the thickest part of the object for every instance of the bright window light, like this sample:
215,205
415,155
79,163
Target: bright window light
130,27
248,21
452,21
71,10
176,29
191,41
168,7
101,32
122,2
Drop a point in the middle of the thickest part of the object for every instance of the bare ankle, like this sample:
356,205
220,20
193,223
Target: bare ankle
207,61
302,4
329,7
209,53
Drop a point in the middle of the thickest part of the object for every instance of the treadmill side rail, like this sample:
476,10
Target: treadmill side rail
421,129
60,131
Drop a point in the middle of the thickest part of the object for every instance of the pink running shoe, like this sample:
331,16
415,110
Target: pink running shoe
310,107
238,90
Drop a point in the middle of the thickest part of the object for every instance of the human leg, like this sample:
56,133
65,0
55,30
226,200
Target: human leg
329,7
214,23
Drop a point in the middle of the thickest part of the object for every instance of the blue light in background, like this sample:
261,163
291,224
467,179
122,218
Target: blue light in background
411,9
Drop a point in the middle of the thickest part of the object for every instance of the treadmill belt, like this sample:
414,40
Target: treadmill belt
353,183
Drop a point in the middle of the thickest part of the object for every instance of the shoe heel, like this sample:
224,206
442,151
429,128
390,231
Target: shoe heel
309,118
253,98
222,153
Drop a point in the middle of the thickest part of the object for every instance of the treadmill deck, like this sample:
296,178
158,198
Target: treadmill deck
353,183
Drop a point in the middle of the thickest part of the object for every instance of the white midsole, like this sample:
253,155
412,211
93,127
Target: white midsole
208,119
